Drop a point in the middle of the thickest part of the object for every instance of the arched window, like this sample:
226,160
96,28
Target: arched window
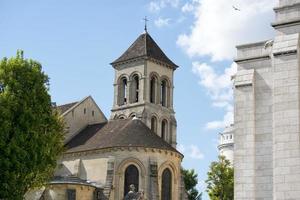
135,89
153,89
163,93
123,91
166,185
131,177
154,124
164,129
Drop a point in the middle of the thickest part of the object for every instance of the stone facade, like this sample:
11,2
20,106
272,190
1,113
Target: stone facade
266,92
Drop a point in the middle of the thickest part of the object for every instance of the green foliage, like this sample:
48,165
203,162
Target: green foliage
190,182
220,180
31,132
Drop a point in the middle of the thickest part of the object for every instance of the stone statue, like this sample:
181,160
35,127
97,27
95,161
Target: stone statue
132,195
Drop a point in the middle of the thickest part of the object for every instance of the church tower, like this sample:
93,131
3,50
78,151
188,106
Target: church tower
143,87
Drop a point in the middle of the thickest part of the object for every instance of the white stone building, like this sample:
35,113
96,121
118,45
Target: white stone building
267,112
226,143
136,146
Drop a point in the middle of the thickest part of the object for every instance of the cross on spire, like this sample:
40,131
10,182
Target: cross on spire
146,20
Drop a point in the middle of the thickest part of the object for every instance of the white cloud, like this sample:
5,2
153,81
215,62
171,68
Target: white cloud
191,151
195,152
218,28
161,22
155,6
187,7
227,120
219,88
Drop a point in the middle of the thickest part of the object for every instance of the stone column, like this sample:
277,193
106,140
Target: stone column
153,190
286,133
244,135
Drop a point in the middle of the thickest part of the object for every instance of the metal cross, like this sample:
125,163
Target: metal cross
146,20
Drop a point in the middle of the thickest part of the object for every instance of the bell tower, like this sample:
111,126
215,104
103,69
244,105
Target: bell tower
143,87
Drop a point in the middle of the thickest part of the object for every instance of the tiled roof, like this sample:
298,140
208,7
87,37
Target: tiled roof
117,133
144,47
63,108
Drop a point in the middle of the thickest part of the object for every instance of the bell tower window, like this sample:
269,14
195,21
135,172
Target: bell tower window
163,93
123,91
135,89
153,83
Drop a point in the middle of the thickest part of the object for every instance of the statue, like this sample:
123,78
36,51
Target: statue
132,195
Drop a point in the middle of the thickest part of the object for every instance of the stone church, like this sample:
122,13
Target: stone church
267,112
137,145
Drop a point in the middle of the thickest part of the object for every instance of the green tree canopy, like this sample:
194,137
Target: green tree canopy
31,132
190,182
220,181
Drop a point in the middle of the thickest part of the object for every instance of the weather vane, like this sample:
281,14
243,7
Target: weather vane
146,20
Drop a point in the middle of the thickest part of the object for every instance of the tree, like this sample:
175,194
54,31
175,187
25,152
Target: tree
31,131
190,182
220,180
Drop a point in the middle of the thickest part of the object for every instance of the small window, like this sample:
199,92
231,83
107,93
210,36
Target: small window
163,93
71,194
230,136
84,110
154,124
93,113
72,113
153,83
123,91
135,89
164,128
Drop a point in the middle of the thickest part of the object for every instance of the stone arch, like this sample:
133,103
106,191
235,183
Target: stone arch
165,88
122,89
133,114
135,84
122,116
174,172
166,184
164,129
121,174
154,87
154,123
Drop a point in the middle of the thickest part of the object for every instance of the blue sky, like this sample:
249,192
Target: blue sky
76,40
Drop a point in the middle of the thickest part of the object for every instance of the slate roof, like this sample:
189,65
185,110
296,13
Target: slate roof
65,107
117,133
144,47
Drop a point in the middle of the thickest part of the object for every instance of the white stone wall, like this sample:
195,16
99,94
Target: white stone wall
267,129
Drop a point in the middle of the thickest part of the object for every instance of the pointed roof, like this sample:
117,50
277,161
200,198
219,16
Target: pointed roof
144,47
117,133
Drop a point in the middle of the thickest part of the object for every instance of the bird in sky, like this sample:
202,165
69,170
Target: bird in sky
235,8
